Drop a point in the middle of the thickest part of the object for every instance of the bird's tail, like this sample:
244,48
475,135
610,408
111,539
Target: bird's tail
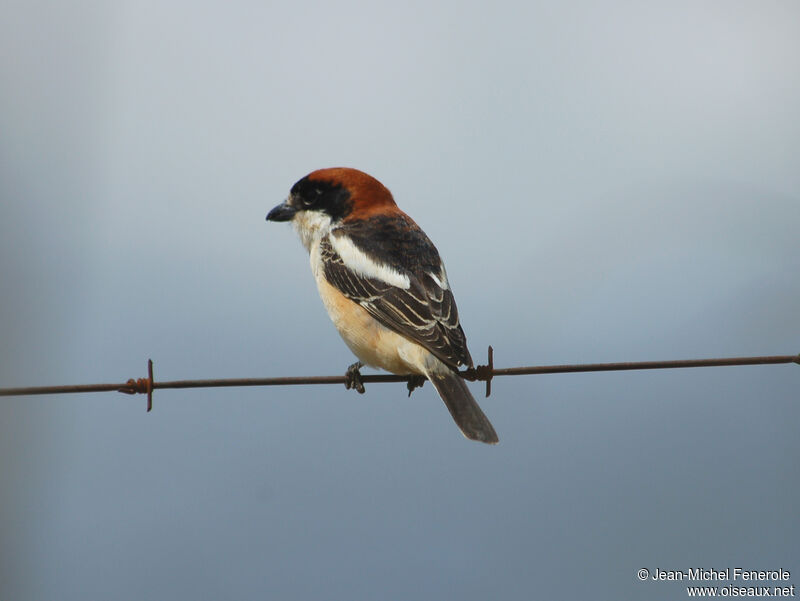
462,406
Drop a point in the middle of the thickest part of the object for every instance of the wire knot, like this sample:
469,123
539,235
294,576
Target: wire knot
141,386
482,373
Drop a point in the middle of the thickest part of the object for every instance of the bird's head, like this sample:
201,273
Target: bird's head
327,197
340,193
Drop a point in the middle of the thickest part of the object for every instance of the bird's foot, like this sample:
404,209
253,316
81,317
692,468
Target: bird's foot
352,377
415,382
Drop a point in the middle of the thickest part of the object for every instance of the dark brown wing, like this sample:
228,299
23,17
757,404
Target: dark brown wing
425,312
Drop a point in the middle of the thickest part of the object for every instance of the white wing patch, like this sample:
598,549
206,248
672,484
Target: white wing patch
360,263
441,279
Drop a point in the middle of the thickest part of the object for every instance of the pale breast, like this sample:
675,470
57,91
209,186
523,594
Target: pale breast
373,343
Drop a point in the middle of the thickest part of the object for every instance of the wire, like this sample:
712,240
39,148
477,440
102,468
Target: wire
484,373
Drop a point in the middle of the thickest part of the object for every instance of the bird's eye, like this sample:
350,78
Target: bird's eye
312,198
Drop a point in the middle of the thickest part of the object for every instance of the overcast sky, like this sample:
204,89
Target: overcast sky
605,181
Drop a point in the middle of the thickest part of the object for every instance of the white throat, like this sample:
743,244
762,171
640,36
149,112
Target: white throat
311,226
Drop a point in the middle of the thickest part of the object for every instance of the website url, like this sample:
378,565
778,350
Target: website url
740,591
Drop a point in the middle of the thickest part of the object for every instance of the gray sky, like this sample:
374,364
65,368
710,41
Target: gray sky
606,182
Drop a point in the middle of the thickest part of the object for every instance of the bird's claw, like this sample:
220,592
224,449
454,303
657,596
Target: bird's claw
415,382
352,377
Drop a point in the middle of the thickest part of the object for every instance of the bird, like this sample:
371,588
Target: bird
384,286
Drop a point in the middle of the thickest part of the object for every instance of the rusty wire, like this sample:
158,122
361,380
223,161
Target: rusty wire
483,373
